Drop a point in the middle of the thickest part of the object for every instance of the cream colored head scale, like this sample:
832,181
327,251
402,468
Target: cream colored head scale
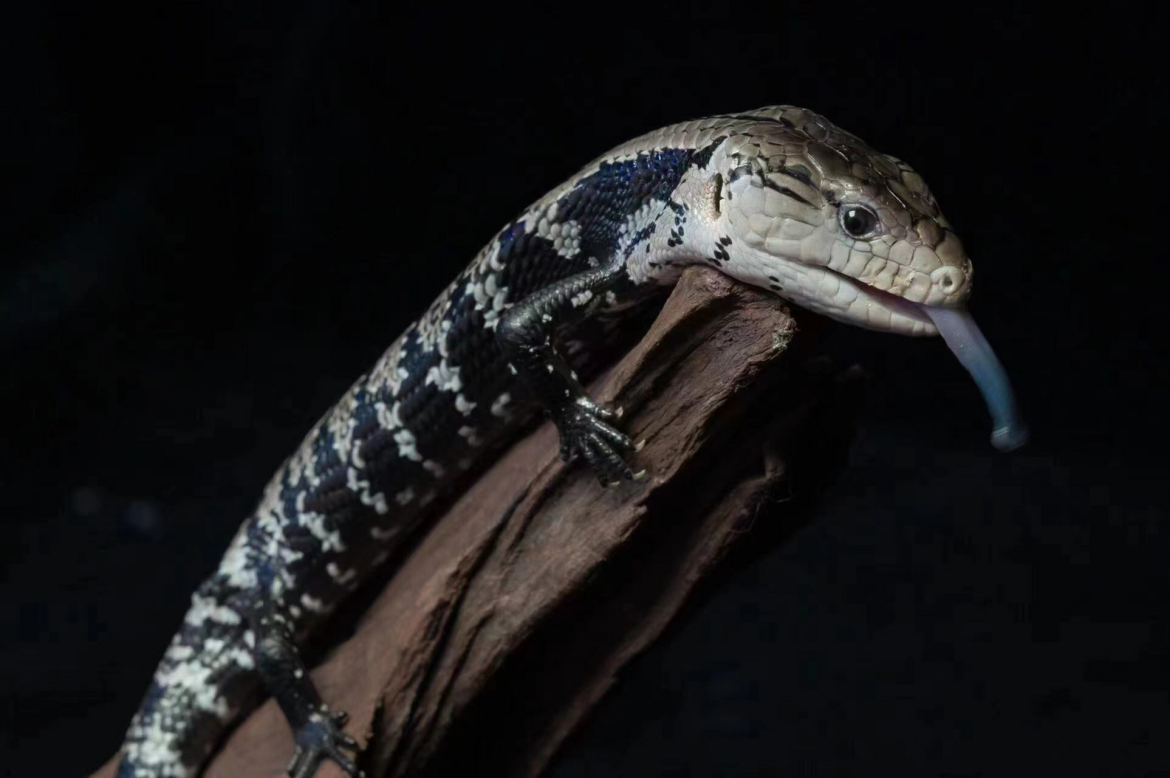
827,221
817,215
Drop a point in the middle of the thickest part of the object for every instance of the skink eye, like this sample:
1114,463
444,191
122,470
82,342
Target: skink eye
858,222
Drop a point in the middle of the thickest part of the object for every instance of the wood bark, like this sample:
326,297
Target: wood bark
521,605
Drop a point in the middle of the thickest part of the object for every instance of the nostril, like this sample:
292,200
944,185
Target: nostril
949,279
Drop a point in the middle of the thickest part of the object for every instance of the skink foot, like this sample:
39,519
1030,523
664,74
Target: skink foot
321,738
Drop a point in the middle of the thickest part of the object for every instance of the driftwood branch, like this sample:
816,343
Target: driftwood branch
520,607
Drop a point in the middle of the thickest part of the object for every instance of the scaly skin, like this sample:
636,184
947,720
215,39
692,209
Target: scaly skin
767,197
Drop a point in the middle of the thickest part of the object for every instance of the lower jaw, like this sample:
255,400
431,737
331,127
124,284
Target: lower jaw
878,310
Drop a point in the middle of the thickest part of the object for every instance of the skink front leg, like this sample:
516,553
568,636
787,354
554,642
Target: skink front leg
317,731
525,333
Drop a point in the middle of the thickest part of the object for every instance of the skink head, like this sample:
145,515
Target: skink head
820,217
835,226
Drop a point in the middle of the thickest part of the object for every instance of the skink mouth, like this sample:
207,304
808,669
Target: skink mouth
893,304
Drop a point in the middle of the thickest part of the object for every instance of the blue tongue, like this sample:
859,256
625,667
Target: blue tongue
960,332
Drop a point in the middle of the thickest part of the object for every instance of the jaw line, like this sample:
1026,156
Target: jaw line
867,297
886,301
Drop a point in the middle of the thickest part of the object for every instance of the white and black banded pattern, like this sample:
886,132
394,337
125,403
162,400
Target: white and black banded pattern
759,196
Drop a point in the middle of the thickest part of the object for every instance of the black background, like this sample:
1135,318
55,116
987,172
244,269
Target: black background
218,214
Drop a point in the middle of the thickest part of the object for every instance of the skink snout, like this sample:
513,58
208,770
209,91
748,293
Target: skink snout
951,279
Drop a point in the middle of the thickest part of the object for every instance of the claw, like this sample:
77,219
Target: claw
585,431
322,738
